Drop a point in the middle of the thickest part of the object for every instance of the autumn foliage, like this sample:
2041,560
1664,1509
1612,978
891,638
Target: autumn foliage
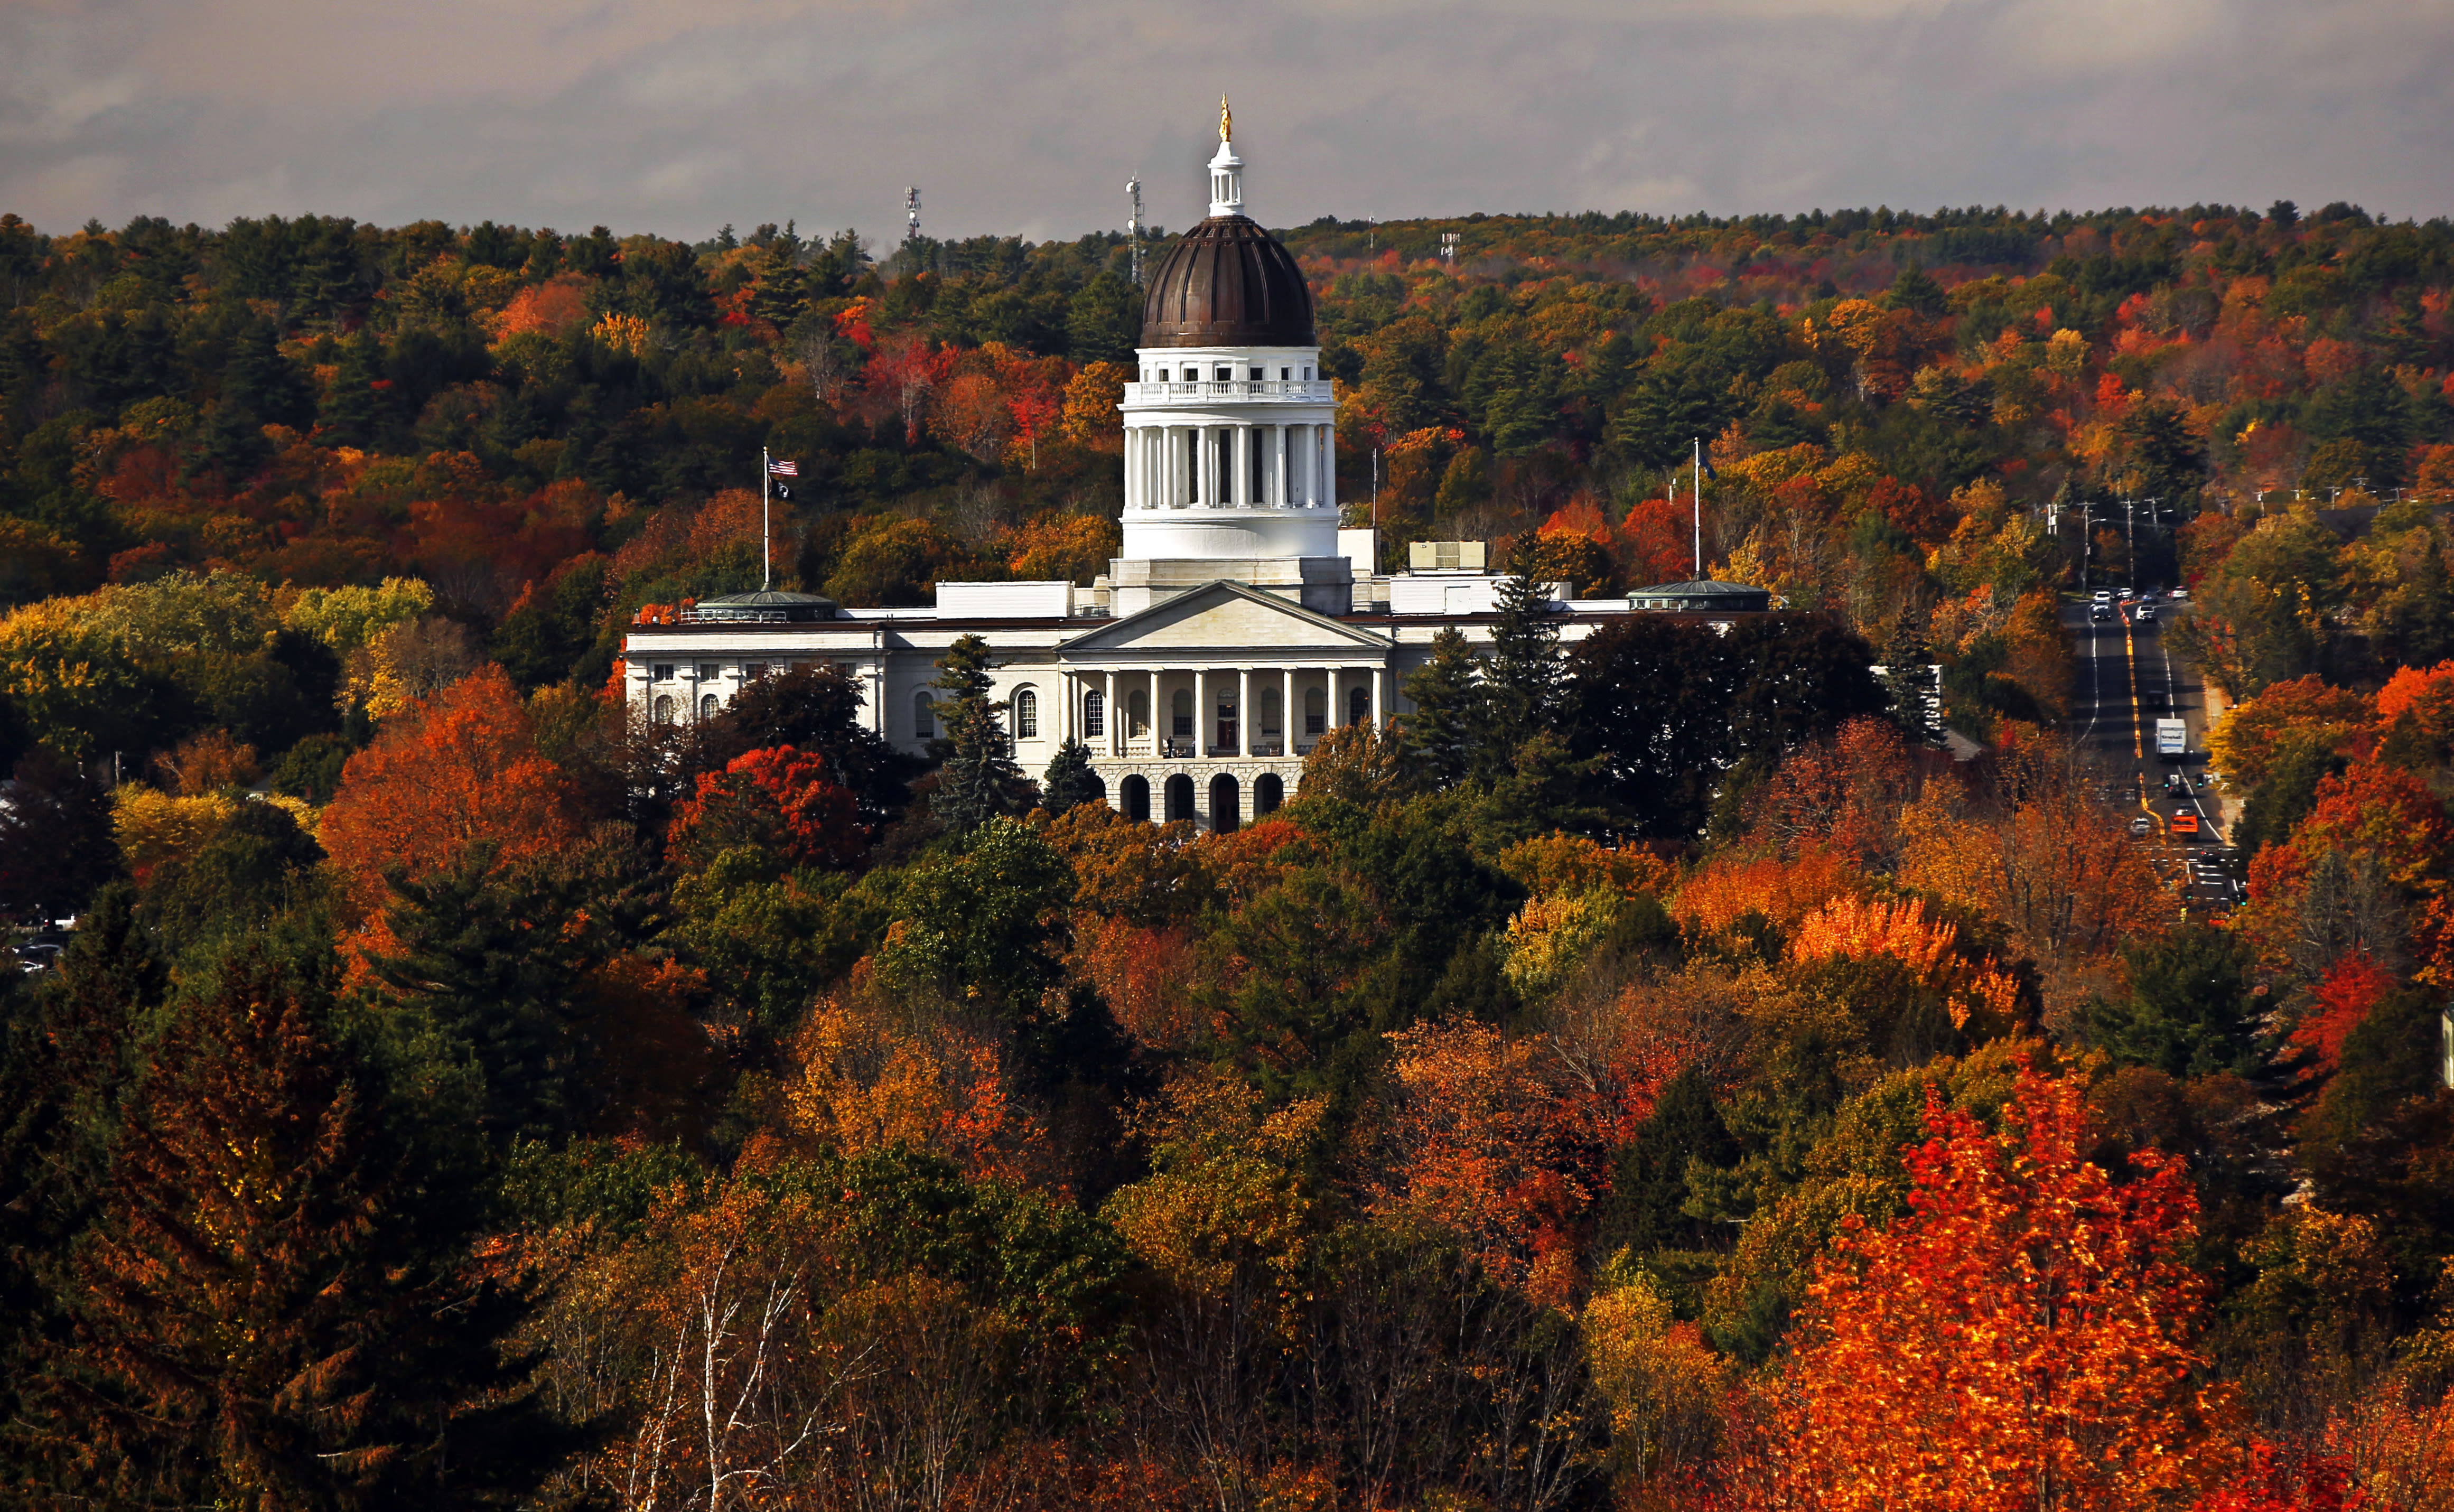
2023,1338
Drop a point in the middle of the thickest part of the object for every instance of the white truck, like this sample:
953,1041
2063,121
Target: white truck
2172,739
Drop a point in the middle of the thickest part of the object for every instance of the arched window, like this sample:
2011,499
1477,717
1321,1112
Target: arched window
1316,709
1359,706
1180,712
1134,792
924,717
1179,797
1272,724
707,706
1228,729
1026,715
1137,715
1094,716
1268,793
662,710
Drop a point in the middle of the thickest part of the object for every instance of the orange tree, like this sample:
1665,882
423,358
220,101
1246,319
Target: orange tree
2020,1338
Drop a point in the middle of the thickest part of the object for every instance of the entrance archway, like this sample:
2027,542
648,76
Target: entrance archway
1135,793
1179,797
1226,804
1268,793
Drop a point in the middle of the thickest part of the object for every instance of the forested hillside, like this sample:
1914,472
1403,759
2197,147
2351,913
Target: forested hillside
1654,1075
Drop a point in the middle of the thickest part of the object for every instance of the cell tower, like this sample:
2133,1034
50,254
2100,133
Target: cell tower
912,212
1134,224
1449,240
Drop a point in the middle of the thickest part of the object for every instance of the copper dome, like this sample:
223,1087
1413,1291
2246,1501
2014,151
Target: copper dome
1227,283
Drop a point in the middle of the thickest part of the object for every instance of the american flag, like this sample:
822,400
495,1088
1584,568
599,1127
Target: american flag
784,468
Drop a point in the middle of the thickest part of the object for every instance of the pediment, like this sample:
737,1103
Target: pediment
1225,615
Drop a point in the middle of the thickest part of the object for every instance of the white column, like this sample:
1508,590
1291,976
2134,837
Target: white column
1114,742
1329,467
1208,491
1245,738
1155,735
1378,718
1330,719
1288,713
1202,712
1278,468
1244,496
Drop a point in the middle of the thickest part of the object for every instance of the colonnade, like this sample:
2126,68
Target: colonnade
1219,728
1230,466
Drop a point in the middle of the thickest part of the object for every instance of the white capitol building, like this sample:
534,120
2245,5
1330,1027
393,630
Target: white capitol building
1240,624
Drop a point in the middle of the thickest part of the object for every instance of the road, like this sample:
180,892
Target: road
2127,680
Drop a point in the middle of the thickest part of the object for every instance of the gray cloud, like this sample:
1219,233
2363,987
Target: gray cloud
673,116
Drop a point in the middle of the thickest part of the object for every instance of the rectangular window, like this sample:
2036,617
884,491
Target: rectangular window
753,670
708,672
1257,375
1225,373
663,672
1284,373
1094,716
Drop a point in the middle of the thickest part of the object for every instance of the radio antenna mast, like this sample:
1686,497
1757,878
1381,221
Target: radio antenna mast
1134,224
912,212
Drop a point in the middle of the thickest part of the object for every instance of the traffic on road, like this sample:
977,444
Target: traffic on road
2141,717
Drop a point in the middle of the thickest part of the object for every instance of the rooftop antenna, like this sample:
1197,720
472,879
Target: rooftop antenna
1134,224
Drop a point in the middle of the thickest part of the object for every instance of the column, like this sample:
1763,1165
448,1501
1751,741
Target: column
1279,472
1245,737
1288,713
1378,719
1202,712
1153,711
1109,735
1206,457
1243,495
1330,718
1329,467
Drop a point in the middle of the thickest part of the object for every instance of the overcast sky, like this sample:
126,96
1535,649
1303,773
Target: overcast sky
678,115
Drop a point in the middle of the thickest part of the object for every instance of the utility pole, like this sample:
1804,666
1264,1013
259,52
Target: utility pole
1134,224
1698,442
2131,527
2086,539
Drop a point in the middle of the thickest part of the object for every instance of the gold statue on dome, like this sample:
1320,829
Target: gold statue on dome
1226,120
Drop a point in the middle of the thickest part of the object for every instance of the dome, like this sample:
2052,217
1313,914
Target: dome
767,606
1703,595
1228,283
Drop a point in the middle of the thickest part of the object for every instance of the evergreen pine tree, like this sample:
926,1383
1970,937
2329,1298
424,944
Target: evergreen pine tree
1522,682
1070,782
1437,739
263,382
1645,1210
977,778
269,1310
1907,679
354,411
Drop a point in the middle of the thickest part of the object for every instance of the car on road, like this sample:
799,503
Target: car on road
2185,824
2143,826
2098,613
2104,596
2146,614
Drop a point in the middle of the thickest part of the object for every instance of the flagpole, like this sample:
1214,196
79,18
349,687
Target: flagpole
1700,508
766,486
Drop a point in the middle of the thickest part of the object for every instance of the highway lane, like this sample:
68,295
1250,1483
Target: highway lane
2128,679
